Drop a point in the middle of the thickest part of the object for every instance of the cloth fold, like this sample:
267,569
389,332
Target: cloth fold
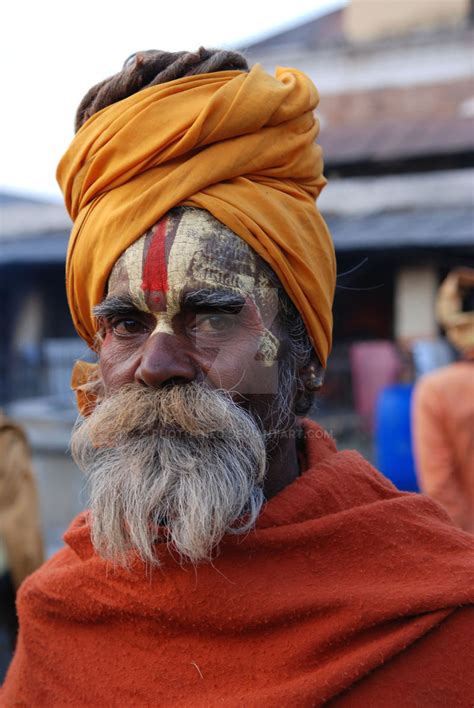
343,575
240,145
20,524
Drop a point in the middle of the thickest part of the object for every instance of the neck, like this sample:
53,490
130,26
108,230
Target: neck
283,465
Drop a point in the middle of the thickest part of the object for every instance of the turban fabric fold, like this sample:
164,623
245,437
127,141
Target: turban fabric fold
239,145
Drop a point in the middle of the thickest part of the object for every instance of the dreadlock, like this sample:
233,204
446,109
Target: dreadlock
153,67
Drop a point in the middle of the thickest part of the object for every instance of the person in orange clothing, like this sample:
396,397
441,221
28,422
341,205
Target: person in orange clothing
21,544
443,408
230,555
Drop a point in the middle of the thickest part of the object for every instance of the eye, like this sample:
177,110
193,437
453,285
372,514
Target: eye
221,323
128,327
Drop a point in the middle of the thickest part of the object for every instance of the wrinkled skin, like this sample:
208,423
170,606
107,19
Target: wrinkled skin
189,301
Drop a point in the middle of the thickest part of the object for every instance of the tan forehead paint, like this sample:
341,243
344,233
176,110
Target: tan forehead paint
164,323
116,275
132,262
188,258
267,297
187,249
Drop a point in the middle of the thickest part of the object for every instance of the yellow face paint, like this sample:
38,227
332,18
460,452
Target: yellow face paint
133,263
191,250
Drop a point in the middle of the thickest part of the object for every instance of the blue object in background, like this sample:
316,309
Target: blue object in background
394,455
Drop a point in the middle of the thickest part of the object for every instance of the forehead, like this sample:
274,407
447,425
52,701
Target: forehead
186,247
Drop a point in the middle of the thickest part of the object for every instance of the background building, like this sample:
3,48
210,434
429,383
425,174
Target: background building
37,349
396,113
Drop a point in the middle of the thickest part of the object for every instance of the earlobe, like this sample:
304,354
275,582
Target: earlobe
87,384
310,380
312,377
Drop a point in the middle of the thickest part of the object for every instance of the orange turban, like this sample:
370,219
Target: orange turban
239,145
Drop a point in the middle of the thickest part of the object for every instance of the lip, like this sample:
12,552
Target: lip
170,431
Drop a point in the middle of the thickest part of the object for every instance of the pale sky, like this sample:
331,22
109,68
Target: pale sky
53,51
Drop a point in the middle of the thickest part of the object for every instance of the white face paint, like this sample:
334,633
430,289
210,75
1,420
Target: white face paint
191,250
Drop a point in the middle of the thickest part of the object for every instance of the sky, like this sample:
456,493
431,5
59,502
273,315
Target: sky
53,51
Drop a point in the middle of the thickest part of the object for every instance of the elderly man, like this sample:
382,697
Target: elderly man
230,556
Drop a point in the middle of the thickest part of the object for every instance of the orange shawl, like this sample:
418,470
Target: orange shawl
347,588
240,145
443,437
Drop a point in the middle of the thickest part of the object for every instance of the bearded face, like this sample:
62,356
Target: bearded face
197,392
185,458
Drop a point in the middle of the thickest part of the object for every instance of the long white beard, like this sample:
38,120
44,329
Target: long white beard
186,457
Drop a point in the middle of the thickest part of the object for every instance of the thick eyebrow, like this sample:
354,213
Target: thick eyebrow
215,299
115,305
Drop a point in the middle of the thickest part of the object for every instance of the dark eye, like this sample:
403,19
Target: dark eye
215,324
128,327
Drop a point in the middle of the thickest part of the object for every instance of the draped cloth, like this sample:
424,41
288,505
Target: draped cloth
20,524
443,438
347,590
239,145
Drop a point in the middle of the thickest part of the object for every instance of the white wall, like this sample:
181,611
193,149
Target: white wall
415,295
407,61
366,20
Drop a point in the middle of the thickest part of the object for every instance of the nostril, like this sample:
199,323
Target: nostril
163,361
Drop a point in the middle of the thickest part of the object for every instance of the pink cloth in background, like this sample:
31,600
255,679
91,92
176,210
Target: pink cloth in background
374,365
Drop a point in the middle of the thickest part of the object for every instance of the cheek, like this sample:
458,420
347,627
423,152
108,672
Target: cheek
240,368
118,363
249,362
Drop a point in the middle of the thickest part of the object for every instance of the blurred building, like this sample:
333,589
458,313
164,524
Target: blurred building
397,128
37,349
39,342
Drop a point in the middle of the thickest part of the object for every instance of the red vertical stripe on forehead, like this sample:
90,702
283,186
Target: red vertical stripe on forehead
155,276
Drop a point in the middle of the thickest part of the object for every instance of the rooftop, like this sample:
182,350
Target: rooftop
425,210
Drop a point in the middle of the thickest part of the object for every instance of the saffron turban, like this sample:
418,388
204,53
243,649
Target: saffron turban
239,145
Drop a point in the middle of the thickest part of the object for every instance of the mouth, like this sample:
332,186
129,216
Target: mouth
175,432
172,431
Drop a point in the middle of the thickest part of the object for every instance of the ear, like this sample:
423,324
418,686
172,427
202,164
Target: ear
310,379
86,382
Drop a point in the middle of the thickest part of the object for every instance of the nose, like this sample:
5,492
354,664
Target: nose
164,361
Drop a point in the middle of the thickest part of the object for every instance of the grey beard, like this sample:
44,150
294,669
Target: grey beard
187,457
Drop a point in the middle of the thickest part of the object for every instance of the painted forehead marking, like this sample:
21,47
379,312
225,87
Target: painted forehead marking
131,262
208,254
155,276
193,248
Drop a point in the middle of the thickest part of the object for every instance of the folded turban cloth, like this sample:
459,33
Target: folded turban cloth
239,145
459,324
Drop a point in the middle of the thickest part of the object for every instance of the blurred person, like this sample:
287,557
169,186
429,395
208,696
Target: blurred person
21,547
230,554
443,408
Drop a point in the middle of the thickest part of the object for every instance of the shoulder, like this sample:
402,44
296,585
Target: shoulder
454,636
9,429
444,387
429,388
46,578
61,577
462,371
442,661
436,671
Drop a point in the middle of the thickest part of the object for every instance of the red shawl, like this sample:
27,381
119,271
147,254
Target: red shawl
347,590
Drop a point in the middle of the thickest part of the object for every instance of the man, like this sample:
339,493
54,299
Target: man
231,556
443,408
